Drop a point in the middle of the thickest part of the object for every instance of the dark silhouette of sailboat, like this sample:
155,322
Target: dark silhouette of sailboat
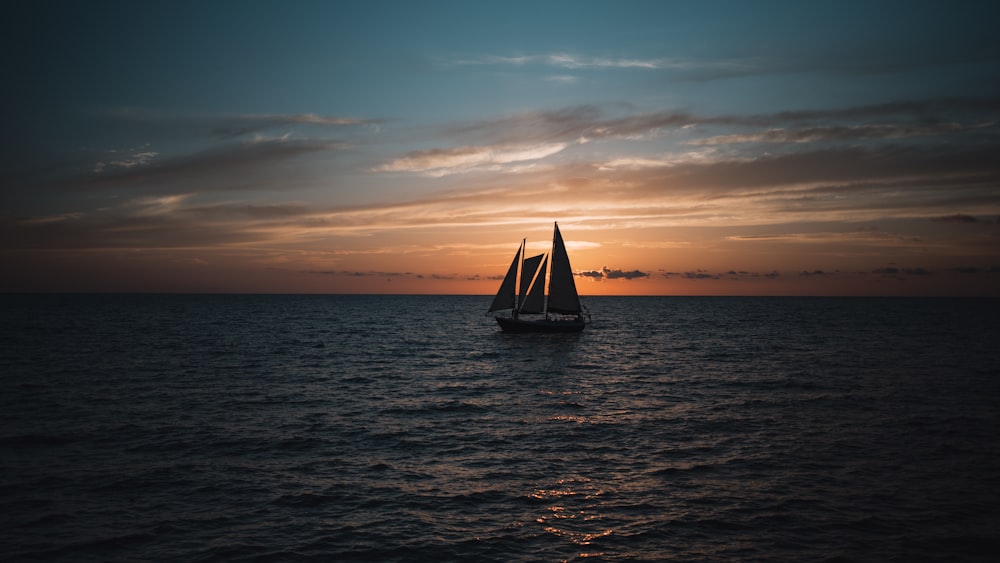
530,308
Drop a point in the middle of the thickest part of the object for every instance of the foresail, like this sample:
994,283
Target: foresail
535,301
563,297
528,269
505,297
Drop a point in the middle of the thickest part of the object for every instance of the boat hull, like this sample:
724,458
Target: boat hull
539,325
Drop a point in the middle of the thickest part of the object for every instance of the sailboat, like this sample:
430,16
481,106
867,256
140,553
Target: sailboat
558,311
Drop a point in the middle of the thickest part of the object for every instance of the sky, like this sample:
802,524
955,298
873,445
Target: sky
684,148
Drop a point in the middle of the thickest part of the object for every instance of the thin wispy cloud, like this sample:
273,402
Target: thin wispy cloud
566,60
923,109
665,161
584,124
150,206
136,159
842,184
864,237
240,125
563,79
572,124
231,124
439,162
846,133
706,68
577,61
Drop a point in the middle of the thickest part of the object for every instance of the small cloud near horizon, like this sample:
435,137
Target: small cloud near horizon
608,273
956,218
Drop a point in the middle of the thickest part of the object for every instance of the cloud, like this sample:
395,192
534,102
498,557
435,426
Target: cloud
957,218
864,236
608,273
463,159
563,79
48,219
895,271
968,270
574,124
228,126
886,272
664,161
360,274
155,137
921,117
621,274
845,133
851,184
700,275
144,229
927,110
232,167
849,171
165,222
733,275
527,137
579,125
240,125
392,275
566,60
171,202
138,158
576,61
498,144
891,271
149,206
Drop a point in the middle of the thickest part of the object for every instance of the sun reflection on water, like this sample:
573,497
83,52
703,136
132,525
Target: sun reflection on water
573,511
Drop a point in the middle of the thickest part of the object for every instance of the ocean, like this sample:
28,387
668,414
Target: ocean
409,428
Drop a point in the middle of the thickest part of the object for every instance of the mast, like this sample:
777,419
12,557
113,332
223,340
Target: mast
520,290
522,249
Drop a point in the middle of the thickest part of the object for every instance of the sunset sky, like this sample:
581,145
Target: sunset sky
685,148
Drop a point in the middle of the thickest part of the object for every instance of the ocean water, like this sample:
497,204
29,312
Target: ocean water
401,428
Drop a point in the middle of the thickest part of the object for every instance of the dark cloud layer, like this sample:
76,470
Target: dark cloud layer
233,167
891,120
867,170
957,218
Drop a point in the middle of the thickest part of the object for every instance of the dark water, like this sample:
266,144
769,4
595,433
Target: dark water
285,428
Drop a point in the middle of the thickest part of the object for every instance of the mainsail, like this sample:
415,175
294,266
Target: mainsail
563,297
